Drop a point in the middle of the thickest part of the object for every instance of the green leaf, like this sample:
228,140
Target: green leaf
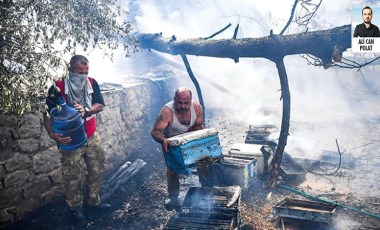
30,29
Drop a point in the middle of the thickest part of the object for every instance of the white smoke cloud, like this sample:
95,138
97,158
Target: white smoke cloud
325,104
250,88
253,84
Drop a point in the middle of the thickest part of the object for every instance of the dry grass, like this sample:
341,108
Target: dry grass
258,218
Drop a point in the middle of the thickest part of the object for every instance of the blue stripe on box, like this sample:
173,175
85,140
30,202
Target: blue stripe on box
182,158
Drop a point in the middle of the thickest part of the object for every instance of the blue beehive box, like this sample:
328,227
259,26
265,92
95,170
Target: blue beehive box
185,149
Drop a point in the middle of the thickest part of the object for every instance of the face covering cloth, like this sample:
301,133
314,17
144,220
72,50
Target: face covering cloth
79,89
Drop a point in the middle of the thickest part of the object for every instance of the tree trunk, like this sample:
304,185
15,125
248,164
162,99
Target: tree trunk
321,44
284,132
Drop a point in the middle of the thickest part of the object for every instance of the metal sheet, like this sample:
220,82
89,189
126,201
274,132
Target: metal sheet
201,221
297,224
214,200
290,168
306,210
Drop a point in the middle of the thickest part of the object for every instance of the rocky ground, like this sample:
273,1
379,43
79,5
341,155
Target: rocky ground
139,203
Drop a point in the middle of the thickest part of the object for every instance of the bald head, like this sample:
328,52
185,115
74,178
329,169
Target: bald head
183,92
182,100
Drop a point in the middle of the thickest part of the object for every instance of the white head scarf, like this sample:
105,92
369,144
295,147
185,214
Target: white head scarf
79,89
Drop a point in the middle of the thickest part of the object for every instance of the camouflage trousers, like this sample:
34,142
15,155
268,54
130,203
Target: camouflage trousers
74,164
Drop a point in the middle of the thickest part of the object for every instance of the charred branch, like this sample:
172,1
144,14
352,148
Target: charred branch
350,64
290,17
196,84
285,95
339,61
235,32
318,43
236,59
310,9
339,165
220,31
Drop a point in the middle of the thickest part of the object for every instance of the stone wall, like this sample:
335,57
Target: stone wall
30,167
122,121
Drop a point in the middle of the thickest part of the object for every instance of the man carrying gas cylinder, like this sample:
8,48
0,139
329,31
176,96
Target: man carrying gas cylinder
177,117
82,93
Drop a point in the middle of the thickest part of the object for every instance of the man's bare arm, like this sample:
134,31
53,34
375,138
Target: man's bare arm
162,121
94,109
198,125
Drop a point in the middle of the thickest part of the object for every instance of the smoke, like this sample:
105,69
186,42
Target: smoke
187,20
344,222
249,91
326,104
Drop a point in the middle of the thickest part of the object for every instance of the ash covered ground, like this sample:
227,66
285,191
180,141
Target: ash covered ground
139,203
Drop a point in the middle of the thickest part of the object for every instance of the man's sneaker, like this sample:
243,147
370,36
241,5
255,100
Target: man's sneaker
172,203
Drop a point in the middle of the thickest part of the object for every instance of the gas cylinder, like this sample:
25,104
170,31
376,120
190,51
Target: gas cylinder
69,122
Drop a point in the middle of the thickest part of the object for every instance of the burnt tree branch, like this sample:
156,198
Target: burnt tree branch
318,43
285,95
235,32
290,17
350,64
310,8
196,83
220,31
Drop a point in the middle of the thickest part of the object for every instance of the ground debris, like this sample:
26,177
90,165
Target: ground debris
140,201
258,219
